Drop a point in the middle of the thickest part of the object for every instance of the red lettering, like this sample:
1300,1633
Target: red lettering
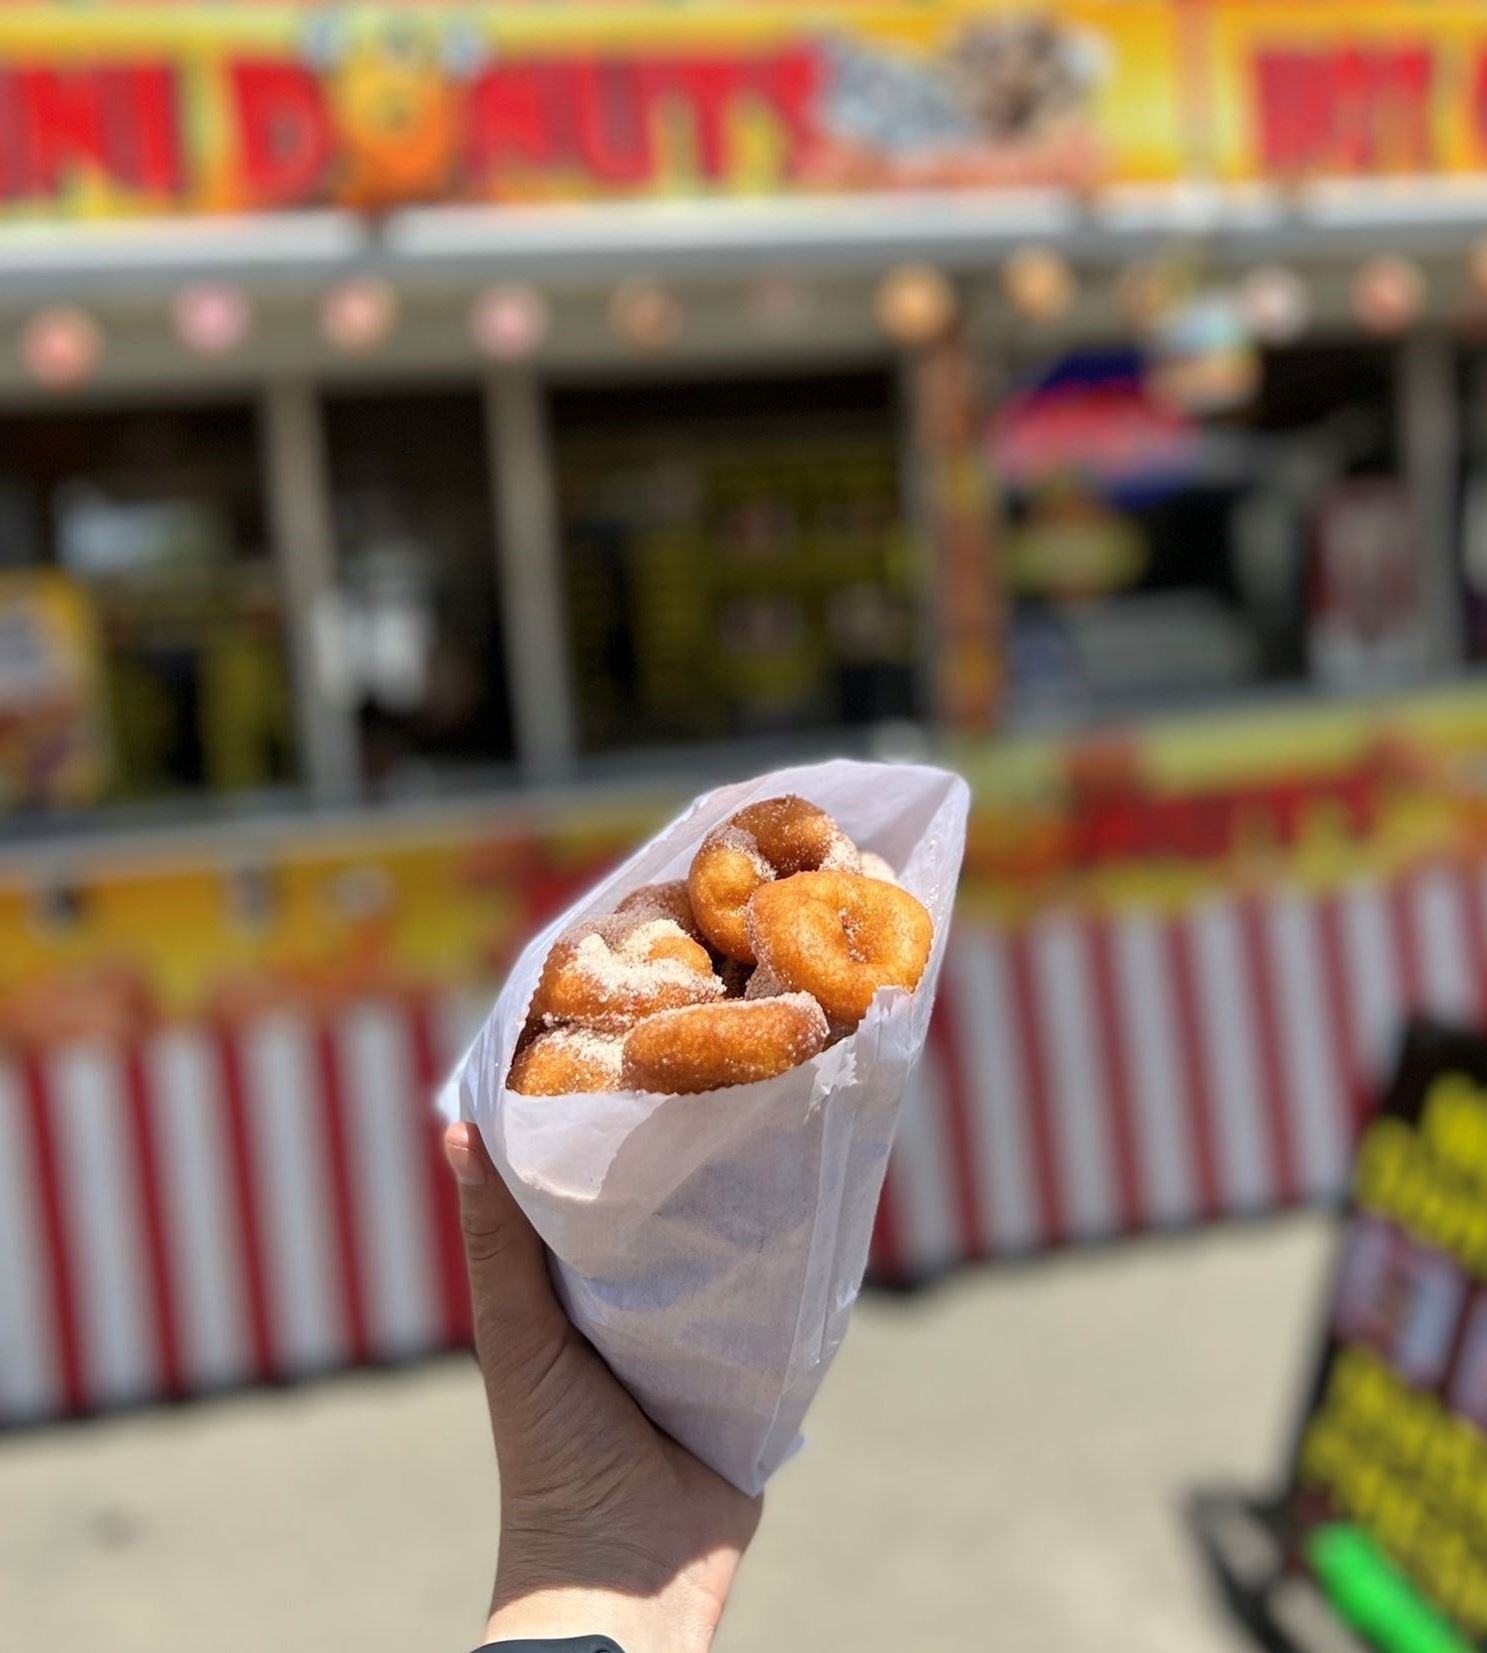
509,122
13,168
1478,110
704,87
602,115
118,120
283,131
1114,829
145,129
1350,111
611,134
1291,111
790,82
1198,827
61,124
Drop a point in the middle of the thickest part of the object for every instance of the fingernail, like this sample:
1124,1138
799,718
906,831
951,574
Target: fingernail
467,1163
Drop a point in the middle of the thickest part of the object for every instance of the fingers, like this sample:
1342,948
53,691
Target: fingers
515,1309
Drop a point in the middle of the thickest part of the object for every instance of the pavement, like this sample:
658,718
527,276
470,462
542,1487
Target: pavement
996,1464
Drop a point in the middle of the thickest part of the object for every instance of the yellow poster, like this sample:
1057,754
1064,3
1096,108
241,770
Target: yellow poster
105,940
159,108
53,748
1346,88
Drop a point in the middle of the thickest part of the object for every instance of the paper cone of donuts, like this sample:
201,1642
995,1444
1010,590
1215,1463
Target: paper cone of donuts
691,1080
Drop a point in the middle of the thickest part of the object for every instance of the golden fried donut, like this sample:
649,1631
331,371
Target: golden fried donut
874,866
662,901
609,973
840,937
772,839
566,1059
711,1045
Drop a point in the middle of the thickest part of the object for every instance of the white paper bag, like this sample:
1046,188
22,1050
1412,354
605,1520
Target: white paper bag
711,1247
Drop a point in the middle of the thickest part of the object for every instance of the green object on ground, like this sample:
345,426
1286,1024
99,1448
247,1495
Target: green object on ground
1371,1593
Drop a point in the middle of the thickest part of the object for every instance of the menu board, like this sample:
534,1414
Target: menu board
1382,1524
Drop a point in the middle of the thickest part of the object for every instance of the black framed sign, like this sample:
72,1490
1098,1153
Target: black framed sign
1378,1540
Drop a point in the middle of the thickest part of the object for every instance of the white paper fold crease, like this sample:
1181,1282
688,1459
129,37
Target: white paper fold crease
711,1247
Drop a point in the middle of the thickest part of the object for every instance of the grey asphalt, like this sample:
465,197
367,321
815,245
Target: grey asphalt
996,1464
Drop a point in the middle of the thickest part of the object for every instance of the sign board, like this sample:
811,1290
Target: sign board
53,742
1369,89
1380,1536
150,108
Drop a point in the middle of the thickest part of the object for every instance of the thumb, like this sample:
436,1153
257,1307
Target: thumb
516,1311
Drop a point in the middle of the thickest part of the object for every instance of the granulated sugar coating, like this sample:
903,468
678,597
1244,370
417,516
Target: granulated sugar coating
774,838
662,901
764,984
608,974
566,1059
840,937
808,928
725,873
707,1047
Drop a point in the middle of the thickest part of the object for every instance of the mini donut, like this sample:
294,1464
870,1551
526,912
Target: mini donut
708,1046
662,901
775,838
609,973
840,937
566,1059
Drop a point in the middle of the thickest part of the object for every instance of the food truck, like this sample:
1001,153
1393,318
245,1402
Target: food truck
436,440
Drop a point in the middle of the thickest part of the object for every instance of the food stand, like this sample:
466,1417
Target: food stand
464,430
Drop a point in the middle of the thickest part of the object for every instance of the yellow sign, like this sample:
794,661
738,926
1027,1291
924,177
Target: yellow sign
1369,89
1161,816
157,108
53,750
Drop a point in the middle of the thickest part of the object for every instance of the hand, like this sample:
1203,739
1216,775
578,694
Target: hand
607,1525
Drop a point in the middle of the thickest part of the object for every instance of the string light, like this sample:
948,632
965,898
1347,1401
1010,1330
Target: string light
359,314
646,315
1388,294
1476,264
61,346
1038,284
1275,304
510,322
212,318
915,304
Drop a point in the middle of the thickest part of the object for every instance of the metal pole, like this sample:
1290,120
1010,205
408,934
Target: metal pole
304,546
1430,441
528,568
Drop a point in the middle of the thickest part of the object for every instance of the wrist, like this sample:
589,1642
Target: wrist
548,1587
640,1624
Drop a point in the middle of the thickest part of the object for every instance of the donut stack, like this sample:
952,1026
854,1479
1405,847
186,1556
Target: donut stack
770,949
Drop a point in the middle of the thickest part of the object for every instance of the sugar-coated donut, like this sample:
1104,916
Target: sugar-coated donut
566,1059
609,973
662,901
763,983
775,838
840,937
706,1047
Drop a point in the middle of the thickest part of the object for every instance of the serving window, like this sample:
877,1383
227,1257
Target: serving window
735,559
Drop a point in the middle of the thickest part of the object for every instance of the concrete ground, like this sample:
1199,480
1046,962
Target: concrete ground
997,1464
